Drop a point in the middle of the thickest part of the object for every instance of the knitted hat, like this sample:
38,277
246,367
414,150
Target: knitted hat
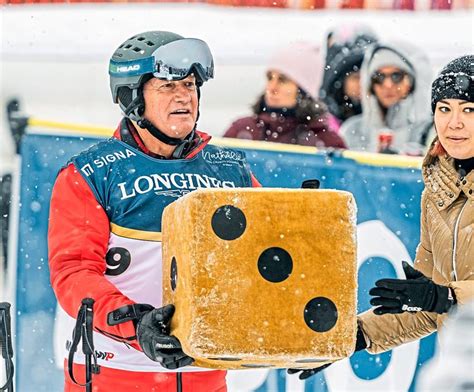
455,81
301,62
385,57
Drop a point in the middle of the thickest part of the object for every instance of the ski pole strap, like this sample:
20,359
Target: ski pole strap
83,329
76,338
6,344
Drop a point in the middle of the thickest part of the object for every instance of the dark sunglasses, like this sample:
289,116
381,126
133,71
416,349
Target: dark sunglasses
397,77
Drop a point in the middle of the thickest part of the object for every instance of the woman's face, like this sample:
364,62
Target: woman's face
280,92
454,122
390,85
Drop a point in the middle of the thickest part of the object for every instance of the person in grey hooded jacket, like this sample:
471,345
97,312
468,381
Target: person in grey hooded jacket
396,114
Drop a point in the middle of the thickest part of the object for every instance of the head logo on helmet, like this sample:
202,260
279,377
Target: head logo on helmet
125,68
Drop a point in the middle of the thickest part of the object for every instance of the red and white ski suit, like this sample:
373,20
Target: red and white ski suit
80,236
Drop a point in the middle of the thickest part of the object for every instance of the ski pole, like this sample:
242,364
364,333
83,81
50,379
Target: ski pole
6,345
84,329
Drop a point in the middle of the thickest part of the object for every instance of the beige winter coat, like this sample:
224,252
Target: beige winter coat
445,254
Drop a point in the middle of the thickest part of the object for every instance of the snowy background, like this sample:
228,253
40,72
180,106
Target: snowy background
54,57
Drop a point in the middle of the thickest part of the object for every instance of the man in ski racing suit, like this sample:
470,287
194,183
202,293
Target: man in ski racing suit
105,217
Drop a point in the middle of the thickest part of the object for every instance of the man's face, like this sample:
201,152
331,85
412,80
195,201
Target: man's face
171,106
280,92
390,85
454,122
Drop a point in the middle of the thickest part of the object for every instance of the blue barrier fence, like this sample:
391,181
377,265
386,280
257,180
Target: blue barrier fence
388,200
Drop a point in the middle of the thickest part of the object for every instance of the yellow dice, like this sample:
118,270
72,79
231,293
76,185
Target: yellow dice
262,277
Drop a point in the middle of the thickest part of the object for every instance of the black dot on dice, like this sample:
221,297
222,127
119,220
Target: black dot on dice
173,273
117,260
320,314
275,264
228,222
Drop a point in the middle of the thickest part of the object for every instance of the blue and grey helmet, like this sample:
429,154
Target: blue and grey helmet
160,54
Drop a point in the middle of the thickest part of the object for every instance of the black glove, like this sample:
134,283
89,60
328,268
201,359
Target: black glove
308,372
416,293
153,334
361,344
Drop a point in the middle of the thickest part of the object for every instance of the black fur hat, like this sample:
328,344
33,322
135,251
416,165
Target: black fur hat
455,81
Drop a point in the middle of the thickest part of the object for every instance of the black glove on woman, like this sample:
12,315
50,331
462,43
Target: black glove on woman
413,294
361,344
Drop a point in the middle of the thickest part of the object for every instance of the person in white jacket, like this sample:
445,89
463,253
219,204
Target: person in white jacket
395,80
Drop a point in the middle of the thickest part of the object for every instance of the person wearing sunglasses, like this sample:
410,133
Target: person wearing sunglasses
340,90
442,277
395,103
105,216
289,111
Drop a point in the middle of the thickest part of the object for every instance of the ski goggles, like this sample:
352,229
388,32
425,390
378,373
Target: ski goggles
458,81
452,85
173,61
396,77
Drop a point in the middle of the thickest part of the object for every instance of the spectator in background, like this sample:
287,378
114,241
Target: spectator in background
340,35
341,80
288,111
395,101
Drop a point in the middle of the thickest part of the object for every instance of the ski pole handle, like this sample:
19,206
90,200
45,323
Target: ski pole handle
87,339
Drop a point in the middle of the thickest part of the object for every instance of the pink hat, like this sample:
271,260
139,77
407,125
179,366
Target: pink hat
302,63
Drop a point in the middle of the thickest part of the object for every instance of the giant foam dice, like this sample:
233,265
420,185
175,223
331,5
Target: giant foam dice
262,277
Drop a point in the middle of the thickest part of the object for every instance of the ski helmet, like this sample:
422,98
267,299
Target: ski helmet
160,54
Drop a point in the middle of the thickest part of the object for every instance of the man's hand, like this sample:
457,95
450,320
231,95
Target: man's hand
361,344
153,334
414,294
